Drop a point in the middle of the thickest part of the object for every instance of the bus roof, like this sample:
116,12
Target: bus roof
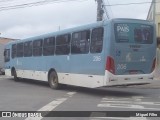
131,20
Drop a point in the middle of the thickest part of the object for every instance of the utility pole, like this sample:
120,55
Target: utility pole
154,10
99,10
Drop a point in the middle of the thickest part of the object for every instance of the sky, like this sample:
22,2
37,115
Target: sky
36,20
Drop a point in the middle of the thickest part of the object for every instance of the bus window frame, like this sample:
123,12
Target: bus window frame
99,37
47,48
66,45
77,49
132,38
6,59
28,50
37,49
20,49
14,51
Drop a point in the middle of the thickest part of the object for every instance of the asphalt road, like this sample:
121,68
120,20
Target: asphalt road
29,95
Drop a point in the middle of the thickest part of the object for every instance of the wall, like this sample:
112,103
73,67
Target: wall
3,41
157,15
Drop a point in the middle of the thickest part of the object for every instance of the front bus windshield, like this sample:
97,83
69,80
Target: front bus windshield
133,33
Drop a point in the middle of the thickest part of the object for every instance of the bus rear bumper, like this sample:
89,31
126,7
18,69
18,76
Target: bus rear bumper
120,80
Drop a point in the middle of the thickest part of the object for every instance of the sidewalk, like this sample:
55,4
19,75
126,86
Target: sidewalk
156,81
155,84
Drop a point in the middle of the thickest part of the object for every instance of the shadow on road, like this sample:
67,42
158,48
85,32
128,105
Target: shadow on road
31,82
108,91
112,91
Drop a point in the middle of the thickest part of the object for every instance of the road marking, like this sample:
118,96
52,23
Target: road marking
52,105
70,94
126,106
116,99
2,76
134,102
137,97
121,106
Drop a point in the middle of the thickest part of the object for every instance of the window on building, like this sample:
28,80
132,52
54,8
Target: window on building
14,50
96,40
80,42
37,47
28,49
7,55
49,46
63,44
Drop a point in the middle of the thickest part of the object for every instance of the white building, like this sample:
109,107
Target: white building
154,14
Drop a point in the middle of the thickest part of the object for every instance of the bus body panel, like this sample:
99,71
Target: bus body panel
133,57
120,80
90,69
133,62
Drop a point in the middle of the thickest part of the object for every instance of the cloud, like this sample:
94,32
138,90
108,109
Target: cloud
137,11
26,22
32,21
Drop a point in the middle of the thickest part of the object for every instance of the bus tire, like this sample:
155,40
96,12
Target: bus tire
53,80
15,76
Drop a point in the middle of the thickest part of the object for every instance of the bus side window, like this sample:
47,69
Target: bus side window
80,42
37,47
63,44
14,51
49,46
96,40
7,55
28,49
20,50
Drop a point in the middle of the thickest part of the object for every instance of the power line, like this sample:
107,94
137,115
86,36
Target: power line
131,3
58,1
106,11
110,9
36,4
6,0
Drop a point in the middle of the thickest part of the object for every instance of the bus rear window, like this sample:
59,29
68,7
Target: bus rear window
143,35
133,33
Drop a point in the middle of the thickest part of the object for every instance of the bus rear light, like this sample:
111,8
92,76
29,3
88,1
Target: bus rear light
110,65
153,65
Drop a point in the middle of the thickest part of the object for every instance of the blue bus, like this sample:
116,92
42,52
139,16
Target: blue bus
107,53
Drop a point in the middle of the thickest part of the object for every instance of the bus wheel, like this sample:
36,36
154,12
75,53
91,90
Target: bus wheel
53,80
15,76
